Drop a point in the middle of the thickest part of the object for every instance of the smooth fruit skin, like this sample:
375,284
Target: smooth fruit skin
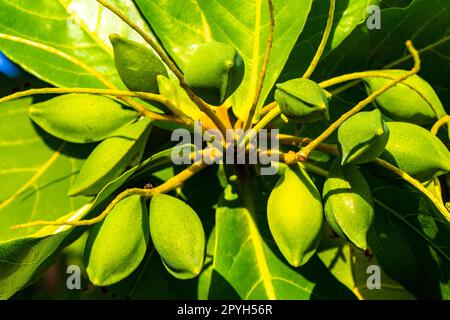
416,151
110,158
348,203
116,246
402,103
81,118
214,71
137,65
295,215
363,137
302,100
178,236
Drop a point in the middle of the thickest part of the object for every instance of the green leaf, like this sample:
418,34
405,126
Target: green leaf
36,171
64,42
410,240
350,267
180,25
424,22
248,264
348,15
245,25
81,118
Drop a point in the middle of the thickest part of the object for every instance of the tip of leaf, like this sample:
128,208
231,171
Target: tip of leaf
113,37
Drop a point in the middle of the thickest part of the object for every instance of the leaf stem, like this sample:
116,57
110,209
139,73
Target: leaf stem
174,182
272,114
440,123
262,74
323,42
303,154
373,74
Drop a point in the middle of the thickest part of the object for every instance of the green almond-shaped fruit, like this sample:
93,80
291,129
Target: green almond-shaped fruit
110,158
302,100
348,203
362,137
402,103
214,71
416,151
137,65
81,118
116,246
178,236
295,215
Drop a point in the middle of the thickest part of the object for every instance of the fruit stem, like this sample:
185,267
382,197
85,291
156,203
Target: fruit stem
438,204
440,123
303,154
272,114
204,107
373,74
323,42
111,92
169,185
262,74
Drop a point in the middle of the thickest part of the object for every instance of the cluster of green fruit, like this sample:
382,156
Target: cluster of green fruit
117,245
296,222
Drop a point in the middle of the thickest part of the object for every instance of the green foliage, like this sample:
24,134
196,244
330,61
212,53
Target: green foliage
226,232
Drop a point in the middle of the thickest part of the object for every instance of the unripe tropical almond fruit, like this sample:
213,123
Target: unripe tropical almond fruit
348,203
111,157
137,65
362,137
81,118
402,103
302,100
295,215
178,236
214,71
416,151
116,246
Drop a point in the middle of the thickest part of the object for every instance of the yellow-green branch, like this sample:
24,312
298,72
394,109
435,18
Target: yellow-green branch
323,42
174,182
438,204
111,92
303,154
439,124
262,75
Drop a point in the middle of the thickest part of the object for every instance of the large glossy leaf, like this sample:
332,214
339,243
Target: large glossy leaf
425,22
348,15
64,42
350,266
36,171
410,240
248,264
245,25
179,25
